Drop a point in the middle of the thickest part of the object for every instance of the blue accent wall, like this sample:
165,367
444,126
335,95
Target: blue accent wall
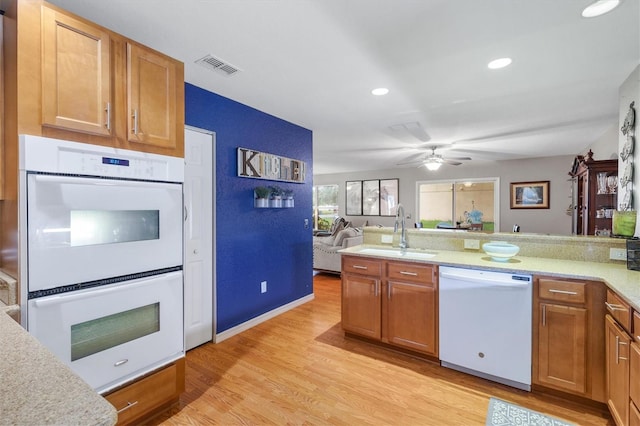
254,245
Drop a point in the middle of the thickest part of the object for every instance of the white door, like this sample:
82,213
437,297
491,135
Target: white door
198,238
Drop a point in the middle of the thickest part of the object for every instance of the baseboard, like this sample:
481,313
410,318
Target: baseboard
262,318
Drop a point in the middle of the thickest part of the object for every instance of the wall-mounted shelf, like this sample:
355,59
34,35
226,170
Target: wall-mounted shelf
272,198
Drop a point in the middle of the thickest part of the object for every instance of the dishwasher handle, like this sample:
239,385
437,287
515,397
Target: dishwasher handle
491,281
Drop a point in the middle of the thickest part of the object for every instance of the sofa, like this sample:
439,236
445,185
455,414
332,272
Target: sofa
325,248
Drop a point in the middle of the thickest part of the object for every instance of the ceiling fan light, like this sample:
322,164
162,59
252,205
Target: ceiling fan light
432,166
599,7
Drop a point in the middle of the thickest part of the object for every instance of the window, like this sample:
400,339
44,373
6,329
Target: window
464,203
325,206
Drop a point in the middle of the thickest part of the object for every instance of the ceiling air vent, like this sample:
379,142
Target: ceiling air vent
217,65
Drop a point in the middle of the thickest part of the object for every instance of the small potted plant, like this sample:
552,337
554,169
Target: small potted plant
261,196
287,198
275,200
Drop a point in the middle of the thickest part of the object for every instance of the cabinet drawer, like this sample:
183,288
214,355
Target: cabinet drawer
619,310
411,272
564,291
142,397
361,265
636,326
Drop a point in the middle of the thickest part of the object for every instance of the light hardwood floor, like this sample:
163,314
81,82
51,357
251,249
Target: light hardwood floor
299,369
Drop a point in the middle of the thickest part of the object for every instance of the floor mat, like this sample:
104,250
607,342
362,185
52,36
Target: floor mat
502,413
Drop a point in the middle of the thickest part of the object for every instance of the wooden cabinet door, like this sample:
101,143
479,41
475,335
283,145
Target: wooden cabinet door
634,415
361,305
151,98
617,356
411,316
76,75
562,347
634,373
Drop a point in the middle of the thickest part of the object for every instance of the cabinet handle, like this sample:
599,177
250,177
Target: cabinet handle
129,405
376,289
360,267
573,293
612,307
413,274
135,121
544,315
618,343
108,110
388,291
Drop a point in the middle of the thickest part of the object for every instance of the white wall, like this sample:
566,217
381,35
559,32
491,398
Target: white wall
554,169
630,91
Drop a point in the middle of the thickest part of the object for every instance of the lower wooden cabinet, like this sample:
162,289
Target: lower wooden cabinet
393,302
410,307
568,336
361,305
617,342
150,395
562,350
634,380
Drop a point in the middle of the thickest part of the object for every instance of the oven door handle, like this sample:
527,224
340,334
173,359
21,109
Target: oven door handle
68,297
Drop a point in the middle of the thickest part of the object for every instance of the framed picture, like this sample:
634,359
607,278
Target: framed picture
530,195
371,198
388,197
354,198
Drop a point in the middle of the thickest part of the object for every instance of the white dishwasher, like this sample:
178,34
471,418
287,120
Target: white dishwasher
485,324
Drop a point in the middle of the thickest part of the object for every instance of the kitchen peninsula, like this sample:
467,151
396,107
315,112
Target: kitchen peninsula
575,286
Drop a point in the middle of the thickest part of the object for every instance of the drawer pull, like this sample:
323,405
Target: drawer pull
572,293
612,307
413,274
129,405
121,362
360,267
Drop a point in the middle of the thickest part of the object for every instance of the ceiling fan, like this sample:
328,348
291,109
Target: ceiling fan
433,161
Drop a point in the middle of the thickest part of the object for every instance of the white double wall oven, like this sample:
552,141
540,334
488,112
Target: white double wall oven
101,232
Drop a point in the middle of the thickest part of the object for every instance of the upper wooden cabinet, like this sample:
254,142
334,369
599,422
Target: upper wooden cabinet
81,82
151,97
76,74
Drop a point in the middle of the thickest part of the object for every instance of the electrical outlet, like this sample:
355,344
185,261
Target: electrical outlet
617,253
471,244
386,239
263,287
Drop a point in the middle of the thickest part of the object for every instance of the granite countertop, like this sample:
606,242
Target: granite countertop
616,276
38,389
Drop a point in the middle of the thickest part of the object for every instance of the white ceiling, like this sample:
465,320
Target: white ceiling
314,63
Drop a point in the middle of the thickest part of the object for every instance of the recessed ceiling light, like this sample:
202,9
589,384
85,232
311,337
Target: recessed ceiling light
499,63
380,91
599,7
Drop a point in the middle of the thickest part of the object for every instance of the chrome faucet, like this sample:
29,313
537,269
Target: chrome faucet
403,234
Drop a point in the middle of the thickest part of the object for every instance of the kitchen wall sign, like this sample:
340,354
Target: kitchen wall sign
261,165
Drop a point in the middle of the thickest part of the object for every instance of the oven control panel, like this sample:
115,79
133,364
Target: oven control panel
57,156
